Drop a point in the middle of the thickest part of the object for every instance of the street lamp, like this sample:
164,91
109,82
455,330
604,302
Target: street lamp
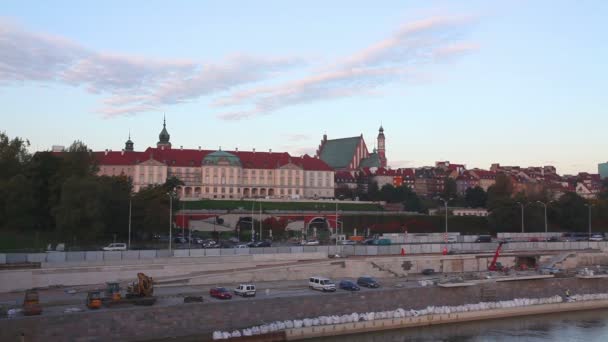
545,206
589,237
129,239
522,215
170,194
445,203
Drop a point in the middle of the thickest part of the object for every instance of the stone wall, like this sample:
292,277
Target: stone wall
145,323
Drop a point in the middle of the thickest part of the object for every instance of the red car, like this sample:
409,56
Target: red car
220,292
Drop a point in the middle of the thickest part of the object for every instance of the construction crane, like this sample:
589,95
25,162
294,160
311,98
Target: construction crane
496,266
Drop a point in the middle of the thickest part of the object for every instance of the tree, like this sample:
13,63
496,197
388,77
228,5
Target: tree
450,189
13,156
373,192
476,197
570,211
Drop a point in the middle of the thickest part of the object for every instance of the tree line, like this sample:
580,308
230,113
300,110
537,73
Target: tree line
61,196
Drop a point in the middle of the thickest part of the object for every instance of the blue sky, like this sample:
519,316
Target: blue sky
473,82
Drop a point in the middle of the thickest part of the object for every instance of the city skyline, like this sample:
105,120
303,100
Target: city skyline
473,83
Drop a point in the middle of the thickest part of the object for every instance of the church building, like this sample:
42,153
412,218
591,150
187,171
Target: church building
351,154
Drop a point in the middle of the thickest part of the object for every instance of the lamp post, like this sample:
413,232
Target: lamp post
445,203
522,215
129,238
545,206
260,218
589,220
170,194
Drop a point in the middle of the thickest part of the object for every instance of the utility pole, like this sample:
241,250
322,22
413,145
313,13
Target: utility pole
170,194
522,215
129,239
260,217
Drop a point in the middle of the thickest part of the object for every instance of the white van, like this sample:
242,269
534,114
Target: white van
115,247
322,284
245,290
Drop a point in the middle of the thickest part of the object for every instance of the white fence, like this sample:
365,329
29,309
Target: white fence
359,250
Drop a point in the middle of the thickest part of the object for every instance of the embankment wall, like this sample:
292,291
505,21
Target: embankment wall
146,323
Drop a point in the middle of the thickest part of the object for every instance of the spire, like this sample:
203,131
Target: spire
163,137
129,144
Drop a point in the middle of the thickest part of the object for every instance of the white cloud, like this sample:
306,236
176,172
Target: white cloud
132,84
398,58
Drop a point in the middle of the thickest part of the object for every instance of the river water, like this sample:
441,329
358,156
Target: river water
575,326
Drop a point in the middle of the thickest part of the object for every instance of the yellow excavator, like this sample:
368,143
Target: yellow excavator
140,292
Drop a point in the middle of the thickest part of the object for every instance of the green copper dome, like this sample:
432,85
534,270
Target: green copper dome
221,158
163,137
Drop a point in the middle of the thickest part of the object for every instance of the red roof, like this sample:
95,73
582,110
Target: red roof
194,158
344,176
309,163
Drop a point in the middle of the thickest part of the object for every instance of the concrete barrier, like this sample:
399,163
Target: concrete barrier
197,252
55,257
147,254
2,258
36,257
16,258
130,255
113,255
75,256
227,251
93,256
297,249
212,252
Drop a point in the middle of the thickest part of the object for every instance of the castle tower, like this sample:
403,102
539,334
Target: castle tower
129,144
163,137
381,147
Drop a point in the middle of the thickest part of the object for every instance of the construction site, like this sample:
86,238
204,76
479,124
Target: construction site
163,297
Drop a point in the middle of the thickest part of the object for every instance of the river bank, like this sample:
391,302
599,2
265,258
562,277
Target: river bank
202,319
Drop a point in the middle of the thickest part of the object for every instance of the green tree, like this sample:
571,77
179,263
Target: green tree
13,156
373,192
450,189
476,197
570,211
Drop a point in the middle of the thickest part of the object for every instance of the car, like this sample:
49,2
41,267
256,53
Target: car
243,245
220,293
245,290
550,270
347,242
115,247
209,244
348,285
596,237
428,271
553,239
321,284
452,239
484,238
534,239
368,242
263,244
180,239
368,282
310,243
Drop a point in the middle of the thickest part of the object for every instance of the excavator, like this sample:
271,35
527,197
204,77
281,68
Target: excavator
497,266
139,292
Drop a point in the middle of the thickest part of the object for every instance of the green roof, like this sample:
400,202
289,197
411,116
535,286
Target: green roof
221,158
372,161
338,153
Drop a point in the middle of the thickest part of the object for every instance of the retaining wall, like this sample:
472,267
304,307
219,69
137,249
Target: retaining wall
133,256
191,319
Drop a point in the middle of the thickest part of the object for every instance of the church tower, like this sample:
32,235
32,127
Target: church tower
129,144
163,137
381,147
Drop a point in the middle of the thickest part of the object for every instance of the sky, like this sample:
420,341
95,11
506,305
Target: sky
473,82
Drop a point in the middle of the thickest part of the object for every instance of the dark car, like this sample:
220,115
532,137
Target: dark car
484,238
428,271
180,240
348,285
368,282
263,244
220,292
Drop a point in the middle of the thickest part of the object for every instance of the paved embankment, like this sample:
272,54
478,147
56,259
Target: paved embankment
410,322
142,323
